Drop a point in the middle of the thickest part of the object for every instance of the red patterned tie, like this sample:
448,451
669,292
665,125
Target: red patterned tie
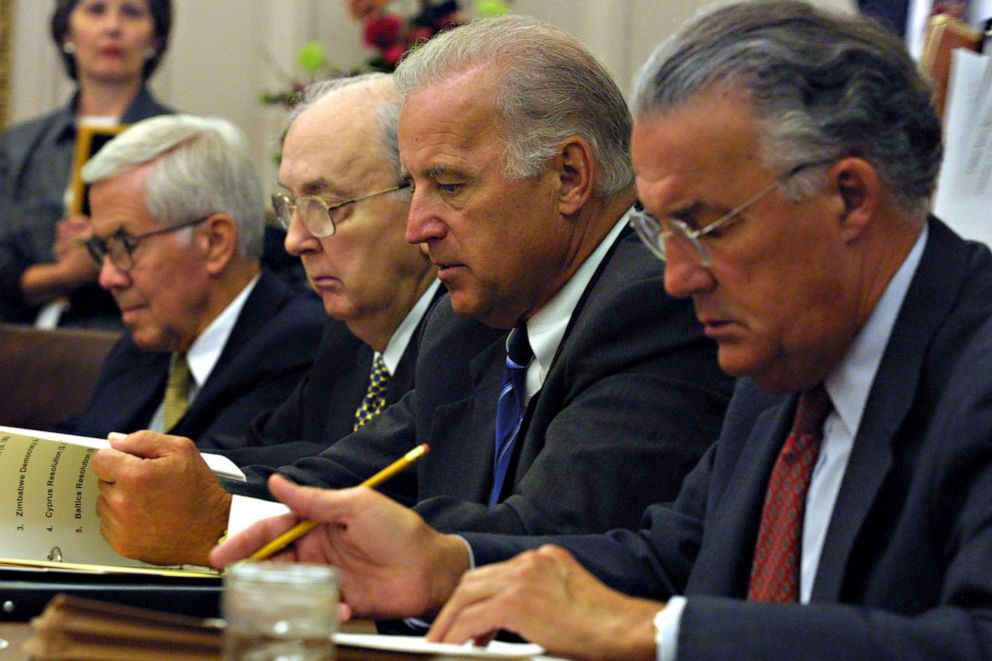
775,572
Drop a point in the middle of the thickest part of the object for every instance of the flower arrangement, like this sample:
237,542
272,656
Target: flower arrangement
388,34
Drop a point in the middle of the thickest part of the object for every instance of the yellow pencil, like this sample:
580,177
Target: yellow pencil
303,527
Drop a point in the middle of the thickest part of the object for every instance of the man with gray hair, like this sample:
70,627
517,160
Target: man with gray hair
344,208
521,192
177,224
785,156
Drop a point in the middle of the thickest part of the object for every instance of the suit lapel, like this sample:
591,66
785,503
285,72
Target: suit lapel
402,381
732,525
928,302
460,423
265,299
135,394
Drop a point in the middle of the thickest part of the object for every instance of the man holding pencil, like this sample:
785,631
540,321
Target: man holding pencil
558,391
785,157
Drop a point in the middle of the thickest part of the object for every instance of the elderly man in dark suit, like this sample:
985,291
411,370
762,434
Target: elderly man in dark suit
212,340
374,285
785,157
604,393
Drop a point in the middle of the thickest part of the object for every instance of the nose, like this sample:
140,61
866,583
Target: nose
298,238
423,223
684,274
112,277
113,19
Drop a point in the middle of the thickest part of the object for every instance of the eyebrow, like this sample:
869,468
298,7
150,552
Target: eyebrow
317,187
687,210
436,171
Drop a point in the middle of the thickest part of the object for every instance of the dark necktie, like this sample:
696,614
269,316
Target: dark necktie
375,396
176,399
510,406
775,572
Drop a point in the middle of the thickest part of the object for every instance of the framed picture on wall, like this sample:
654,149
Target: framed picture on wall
89,140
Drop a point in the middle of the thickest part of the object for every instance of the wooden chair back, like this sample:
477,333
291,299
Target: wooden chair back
47,375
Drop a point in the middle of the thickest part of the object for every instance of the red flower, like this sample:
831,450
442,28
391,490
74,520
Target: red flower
383,32
419,35
393,54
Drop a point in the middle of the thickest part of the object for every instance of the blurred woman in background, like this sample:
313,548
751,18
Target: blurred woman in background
110,48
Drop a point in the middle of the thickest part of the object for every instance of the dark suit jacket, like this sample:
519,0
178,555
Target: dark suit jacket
269,350
905,570
321,409
632,400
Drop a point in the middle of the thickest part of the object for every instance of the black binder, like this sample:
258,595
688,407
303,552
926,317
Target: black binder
25,593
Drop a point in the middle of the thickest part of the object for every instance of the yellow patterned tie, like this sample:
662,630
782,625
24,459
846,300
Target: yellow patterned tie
375,396
176,399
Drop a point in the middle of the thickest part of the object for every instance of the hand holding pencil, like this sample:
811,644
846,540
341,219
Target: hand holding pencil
391,563
302,528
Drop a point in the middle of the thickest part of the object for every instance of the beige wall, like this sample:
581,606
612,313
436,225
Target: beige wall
225,53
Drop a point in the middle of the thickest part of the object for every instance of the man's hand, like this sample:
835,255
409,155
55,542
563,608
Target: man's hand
390,562
159,501
548,598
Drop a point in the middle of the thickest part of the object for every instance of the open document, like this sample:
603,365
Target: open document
48,500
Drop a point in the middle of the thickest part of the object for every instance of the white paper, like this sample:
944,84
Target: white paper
964,193
419,645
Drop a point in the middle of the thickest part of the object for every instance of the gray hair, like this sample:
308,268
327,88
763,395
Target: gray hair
199,166
551,88
824,85
387,110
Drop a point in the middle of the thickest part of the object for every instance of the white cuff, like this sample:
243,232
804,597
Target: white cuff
666,628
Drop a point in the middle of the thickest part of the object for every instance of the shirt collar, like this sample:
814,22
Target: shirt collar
546,327
401,337
849,383
206,349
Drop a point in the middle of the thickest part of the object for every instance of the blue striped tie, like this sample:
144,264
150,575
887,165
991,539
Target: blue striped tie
510,407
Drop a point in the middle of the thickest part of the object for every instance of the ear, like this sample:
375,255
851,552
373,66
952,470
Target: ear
217,240
575,168
858,189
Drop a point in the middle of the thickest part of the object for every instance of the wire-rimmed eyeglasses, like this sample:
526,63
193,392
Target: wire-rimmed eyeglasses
654,232
120,245
316,214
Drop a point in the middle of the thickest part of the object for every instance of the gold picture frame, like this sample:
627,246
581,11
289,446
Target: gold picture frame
6,30
89,140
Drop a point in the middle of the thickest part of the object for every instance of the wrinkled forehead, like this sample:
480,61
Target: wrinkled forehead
717,129
332,144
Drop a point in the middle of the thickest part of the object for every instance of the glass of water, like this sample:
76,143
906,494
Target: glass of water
279,611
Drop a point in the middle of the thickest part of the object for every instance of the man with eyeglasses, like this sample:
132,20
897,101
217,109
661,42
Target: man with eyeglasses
346,223
785,157
520,196
177,232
